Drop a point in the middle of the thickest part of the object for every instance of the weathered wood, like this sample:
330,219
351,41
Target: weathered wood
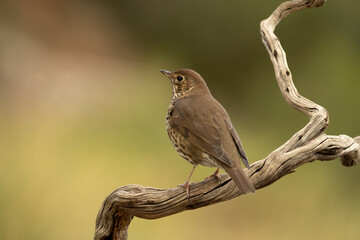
307,145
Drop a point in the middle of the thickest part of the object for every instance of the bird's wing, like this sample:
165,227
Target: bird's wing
200,130
237,141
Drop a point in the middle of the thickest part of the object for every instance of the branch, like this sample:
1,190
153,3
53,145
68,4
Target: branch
307,145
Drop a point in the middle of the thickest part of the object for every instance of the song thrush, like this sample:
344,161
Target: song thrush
201,131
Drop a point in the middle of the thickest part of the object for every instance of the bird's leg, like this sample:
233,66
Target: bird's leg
215,174
186,184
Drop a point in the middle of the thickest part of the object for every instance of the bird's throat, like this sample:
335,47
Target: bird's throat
181,90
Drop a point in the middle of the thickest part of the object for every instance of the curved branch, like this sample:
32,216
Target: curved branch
319,118
307,145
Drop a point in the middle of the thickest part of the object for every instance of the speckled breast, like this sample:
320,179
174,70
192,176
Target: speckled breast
177,140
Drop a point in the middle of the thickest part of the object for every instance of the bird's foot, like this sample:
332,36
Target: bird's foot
186,185
215,174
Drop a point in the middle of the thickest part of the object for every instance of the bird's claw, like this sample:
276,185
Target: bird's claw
215,174
186,185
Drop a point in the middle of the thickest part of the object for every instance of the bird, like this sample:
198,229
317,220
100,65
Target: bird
201,130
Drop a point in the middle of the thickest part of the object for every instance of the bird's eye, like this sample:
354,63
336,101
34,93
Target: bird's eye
180,78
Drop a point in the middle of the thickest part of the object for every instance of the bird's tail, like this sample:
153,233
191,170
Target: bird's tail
238,176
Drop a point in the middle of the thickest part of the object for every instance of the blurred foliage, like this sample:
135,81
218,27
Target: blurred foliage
82,108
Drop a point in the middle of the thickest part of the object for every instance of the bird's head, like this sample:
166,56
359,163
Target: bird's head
186,82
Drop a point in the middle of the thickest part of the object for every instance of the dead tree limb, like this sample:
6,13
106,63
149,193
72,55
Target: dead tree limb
307,145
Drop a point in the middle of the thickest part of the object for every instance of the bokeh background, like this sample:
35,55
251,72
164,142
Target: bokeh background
83,106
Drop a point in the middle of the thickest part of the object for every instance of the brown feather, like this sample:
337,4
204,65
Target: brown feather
239,178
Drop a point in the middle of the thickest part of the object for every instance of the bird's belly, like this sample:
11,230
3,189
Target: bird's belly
180,144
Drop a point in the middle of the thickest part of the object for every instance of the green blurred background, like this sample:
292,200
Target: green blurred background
83,108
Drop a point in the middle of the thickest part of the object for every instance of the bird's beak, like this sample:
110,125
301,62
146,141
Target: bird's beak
165,72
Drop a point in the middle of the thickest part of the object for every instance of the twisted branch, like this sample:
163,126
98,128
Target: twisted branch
307,145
